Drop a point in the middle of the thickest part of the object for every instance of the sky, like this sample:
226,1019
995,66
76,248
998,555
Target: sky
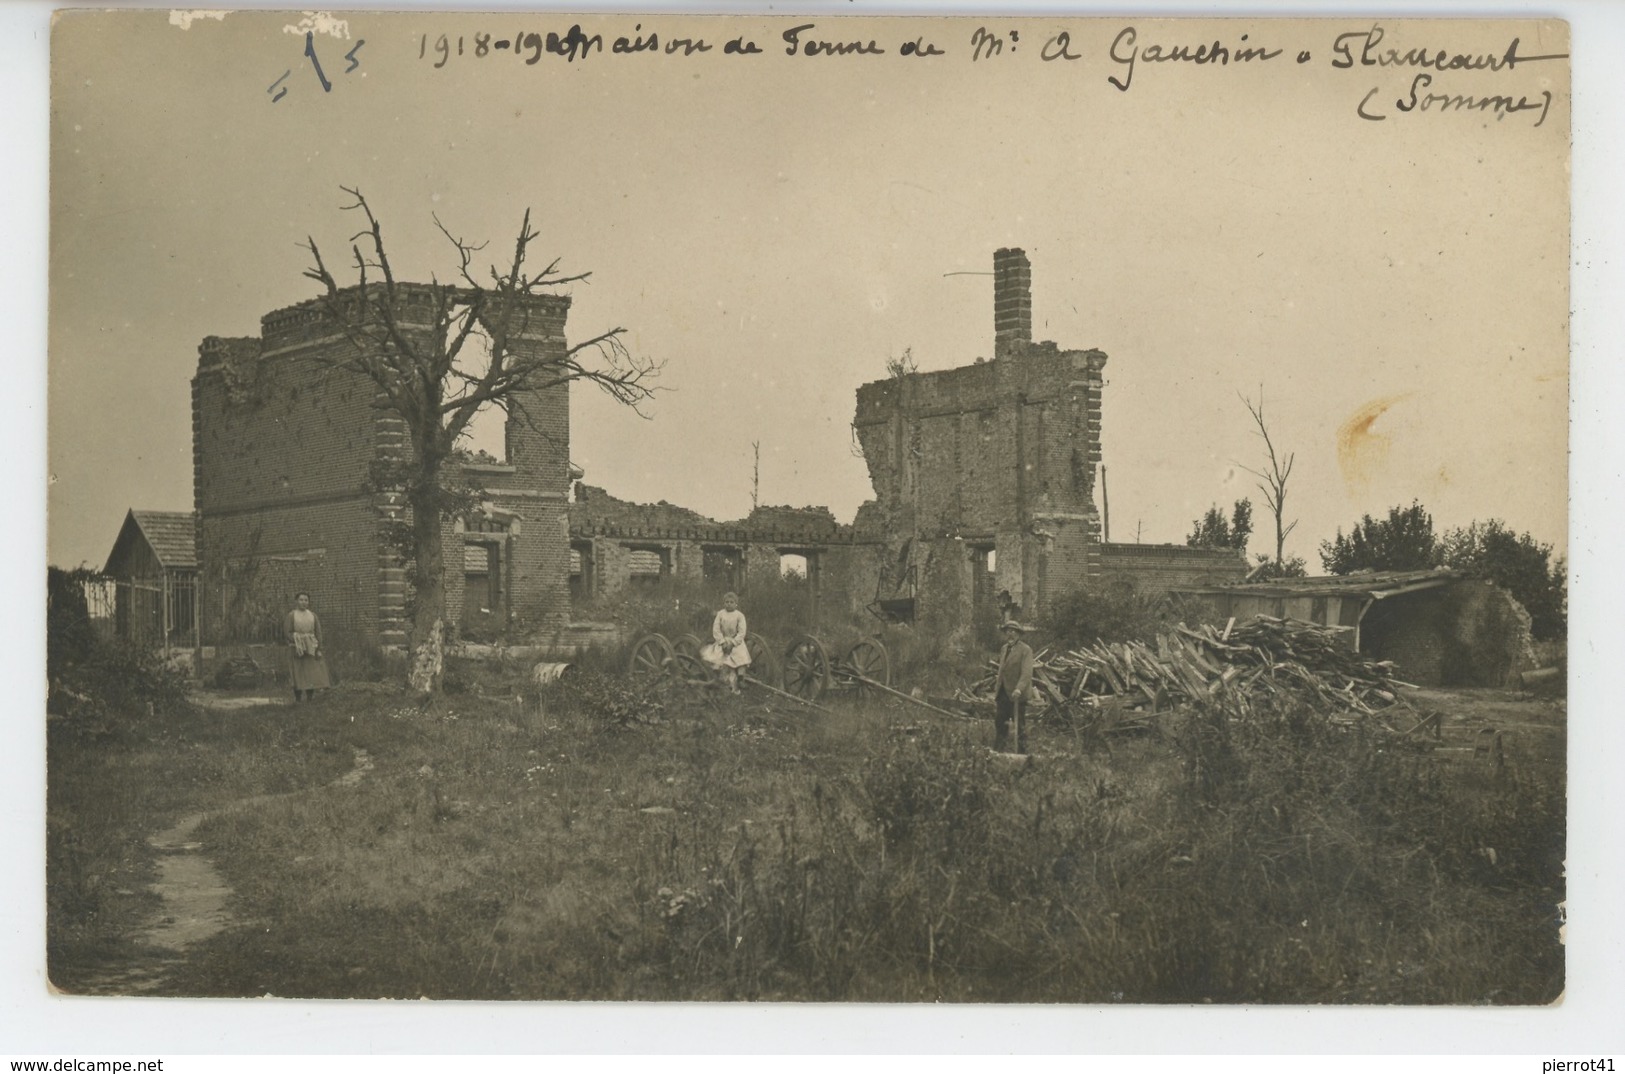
773,228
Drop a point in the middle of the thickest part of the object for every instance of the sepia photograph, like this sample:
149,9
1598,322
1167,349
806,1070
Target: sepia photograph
808,508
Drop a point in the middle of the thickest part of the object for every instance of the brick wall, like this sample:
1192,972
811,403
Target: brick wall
284,438
1158,568
537,490
1002,451
281,445
844,566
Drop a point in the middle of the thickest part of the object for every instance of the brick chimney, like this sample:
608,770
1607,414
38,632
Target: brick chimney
1012,302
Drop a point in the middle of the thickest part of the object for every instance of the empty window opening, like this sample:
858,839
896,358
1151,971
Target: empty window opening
793,566
485,437
986,611
720,566
482,581
581,572
647,567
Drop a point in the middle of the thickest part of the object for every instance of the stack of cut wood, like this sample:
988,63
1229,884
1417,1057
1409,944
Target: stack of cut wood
1261,658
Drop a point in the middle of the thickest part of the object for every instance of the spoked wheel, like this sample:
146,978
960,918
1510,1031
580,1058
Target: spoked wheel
806,668
687,644
765,665
691,669
651,656
869,659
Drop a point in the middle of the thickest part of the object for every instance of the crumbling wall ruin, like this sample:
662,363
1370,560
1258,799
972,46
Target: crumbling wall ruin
1168,568
984,474
617,545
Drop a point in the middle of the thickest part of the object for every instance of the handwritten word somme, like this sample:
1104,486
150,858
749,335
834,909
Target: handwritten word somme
1502,104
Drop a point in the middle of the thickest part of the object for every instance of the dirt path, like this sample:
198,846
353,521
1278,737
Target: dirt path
193,898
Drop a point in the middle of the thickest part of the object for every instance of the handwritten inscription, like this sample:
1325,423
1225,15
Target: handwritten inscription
1438,59
1420,98
1126,51
279,88
1500,105
1430,67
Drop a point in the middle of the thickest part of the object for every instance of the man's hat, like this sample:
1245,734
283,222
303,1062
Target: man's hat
1011,624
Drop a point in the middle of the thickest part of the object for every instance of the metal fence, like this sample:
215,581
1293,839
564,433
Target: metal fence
158,611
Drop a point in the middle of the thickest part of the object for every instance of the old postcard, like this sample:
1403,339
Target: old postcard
808,508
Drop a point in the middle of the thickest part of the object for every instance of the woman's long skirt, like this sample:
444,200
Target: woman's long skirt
310,673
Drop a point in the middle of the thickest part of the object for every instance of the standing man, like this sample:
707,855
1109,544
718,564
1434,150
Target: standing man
1015,686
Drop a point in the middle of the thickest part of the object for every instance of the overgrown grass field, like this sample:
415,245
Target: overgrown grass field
598,843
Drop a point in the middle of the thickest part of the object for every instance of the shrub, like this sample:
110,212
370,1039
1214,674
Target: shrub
116,679
1116,611
930,800
608,699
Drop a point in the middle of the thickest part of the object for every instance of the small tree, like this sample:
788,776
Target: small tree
1213,530
1401,542
900,366
1517,563
408,339
1272,480
1268,570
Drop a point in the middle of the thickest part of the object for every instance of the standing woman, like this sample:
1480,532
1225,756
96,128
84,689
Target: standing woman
728,651
304,632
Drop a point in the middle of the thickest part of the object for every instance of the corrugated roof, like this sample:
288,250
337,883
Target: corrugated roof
172,535
1377,584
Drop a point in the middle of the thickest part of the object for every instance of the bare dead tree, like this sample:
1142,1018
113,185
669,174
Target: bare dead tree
409,338
1272,480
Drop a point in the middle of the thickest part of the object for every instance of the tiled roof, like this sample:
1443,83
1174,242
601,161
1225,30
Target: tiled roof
172,535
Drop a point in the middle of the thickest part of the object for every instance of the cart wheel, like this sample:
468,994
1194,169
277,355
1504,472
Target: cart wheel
806,668
765,665
691,669
651,656
870,659
687,644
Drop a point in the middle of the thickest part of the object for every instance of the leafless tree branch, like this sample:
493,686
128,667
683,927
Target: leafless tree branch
412,343
1272,480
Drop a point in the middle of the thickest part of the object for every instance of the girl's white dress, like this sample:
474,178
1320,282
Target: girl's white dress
727,627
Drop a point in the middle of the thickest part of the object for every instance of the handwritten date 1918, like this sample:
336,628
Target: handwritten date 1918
572,45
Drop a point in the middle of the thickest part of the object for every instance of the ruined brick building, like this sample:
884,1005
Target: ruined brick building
984,480
984,477
285,438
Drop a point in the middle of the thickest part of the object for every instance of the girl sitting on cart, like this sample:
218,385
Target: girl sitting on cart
727,651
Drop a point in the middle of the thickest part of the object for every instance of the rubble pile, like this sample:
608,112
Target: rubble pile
1264,657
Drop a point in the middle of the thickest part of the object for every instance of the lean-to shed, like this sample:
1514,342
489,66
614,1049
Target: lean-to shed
1439,626
154,567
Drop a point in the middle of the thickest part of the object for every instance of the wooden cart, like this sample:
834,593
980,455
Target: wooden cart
805,668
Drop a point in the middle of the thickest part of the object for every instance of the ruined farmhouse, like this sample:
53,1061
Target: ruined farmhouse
984,479
286,439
